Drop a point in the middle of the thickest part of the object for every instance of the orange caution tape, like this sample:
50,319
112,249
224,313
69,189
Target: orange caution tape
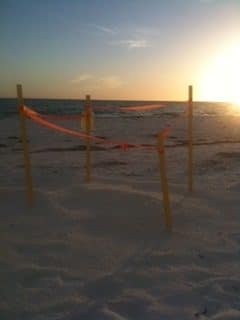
125,147
142,108
36,117
135,108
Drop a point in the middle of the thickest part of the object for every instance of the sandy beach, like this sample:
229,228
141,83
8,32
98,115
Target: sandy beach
100,250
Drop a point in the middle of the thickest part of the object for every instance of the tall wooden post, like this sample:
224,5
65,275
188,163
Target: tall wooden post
190,138
164,184
26,157
88,111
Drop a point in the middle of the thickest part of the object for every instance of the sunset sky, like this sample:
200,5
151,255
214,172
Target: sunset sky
121,49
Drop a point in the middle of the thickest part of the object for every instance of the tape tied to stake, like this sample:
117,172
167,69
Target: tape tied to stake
165,132
36,117
125,147
160,150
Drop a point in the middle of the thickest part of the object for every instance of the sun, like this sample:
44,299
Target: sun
221,80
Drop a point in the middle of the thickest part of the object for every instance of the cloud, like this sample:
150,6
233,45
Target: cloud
131,44
104,29
89,81
139,34
81,78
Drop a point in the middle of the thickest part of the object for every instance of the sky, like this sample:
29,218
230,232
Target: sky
115,49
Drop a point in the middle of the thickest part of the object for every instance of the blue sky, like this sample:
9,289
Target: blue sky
135,49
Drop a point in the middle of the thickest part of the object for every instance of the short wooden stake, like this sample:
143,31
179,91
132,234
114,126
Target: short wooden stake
23,132
190,138
88,111
164,184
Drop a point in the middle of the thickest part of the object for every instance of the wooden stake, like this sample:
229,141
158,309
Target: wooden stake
164,184
88,111
190,139
23,132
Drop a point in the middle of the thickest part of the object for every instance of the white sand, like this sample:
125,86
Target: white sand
100,251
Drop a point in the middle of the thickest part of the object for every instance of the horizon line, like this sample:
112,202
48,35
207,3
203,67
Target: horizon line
83,99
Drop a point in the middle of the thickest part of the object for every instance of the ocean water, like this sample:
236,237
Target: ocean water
8,107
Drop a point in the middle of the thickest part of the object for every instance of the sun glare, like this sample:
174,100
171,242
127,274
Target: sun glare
220,81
